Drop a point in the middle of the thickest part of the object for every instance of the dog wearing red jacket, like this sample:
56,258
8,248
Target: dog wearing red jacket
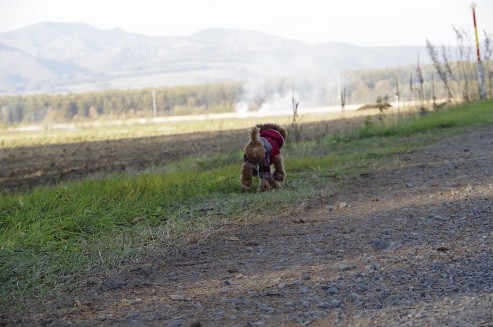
263,150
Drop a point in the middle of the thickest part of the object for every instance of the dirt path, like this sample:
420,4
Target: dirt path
411,245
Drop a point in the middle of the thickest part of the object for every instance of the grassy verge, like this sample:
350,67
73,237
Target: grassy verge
53,238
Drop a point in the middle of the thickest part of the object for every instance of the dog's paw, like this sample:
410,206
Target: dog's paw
278,176
264,185
246,183
273,183
244,189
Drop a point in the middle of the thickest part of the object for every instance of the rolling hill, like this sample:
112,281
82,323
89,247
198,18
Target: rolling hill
70,57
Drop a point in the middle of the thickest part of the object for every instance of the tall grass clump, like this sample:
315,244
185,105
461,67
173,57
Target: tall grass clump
459,116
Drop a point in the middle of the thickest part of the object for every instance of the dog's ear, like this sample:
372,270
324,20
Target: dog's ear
283,132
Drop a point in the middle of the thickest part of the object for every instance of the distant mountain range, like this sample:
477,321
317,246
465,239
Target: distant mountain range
67,57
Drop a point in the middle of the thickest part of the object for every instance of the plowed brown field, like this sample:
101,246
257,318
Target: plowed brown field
22,168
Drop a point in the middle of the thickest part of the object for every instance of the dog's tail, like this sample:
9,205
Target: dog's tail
254,150
254,134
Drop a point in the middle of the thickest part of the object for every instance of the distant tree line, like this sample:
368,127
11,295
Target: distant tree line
362,86
42,108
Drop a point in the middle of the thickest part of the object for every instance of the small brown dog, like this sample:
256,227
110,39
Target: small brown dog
262,150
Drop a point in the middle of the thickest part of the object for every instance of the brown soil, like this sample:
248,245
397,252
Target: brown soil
408,245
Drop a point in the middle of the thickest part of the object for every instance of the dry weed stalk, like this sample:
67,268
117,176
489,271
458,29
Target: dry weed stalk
488,50
420,90
295,120
441,70
465,67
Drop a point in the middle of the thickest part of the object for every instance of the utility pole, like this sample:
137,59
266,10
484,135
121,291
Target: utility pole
154,109
397,97
342,94
343,102
482,89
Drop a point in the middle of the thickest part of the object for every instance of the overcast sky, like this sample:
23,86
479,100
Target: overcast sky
360,22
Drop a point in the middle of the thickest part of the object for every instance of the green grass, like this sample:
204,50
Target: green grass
53,238
453,119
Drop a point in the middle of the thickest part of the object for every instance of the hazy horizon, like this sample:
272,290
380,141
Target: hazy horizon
362,23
